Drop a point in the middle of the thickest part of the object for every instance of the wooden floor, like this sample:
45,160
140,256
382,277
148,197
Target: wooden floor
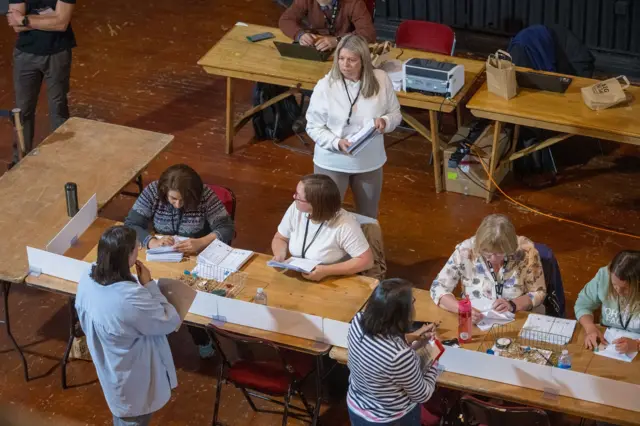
137,66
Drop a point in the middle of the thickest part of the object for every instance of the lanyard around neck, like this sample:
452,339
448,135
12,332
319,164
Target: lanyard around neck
624,325
499,282
351,103
331,23
305,247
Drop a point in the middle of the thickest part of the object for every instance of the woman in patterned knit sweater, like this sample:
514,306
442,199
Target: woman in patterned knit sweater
179,204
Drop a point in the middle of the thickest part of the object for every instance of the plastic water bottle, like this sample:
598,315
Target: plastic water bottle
565,360
465,324
261,297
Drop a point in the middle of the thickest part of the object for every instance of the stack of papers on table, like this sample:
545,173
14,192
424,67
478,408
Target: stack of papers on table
612,334
219,260
164,254
361,139
295,264
548,329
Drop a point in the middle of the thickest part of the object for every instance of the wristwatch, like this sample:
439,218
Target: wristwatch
25,21
513,306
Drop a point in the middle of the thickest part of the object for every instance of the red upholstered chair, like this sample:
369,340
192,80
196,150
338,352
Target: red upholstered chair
227,197
279,373
426,36
478,412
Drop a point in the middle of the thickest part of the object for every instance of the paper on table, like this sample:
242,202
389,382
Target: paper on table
492,318
295,264
221,255
612,334
546,328
179,294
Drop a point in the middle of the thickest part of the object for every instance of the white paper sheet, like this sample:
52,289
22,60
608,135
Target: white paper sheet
610,335
75,227
295,264
492,318
536,327
335,332
44,262
362,138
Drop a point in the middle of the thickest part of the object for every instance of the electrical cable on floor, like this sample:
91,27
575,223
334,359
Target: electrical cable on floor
560,219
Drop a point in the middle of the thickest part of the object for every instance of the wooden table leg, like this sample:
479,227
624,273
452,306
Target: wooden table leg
229,118
435,149
514,140
459,114
497,131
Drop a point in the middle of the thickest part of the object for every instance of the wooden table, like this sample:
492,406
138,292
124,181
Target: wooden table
100,158
582,361
561,112
236,57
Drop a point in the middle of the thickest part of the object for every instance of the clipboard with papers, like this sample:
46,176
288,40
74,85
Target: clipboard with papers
362,138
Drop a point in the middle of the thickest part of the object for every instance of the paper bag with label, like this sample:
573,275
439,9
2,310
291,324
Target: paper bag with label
605,94
501,75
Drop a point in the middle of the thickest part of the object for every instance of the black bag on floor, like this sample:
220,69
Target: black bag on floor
276,121
538,162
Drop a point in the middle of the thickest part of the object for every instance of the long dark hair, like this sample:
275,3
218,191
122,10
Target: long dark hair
186,181
389,311
114,248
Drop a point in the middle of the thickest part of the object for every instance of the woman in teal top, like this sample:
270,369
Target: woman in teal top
615,289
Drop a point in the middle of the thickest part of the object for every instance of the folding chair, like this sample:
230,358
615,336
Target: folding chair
478,412
280,375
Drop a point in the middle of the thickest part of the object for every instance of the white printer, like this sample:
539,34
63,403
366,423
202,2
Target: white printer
431,77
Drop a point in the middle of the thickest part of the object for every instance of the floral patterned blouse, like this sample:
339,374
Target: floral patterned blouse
522,275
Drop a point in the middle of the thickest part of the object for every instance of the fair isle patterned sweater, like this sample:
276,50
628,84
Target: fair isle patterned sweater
210,216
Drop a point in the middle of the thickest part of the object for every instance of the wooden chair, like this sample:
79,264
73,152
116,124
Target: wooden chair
279,374
478,412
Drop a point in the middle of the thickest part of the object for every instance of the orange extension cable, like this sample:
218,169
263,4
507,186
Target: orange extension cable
561,219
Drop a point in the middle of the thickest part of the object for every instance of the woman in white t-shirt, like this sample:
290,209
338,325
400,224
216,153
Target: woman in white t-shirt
316,227
351,95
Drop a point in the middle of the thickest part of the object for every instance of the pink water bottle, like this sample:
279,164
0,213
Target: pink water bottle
464,320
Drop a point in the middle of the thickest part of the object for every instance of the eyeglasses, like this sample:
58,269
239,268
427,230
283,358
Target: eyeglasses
295,197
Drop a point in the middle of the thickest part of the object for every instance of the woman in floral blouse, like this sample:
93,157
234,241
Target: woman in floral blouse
498,270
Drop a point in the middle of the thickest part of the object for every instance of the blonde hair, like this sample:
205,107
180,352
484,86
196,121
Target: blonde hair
496,234
626,266
358,45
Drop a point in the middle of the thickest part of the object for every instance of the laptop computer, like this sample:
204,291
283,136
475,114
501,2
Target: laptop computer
297,51
538,81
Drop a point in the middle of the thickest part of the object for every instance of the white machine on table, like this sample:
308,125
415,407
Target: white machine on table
432,77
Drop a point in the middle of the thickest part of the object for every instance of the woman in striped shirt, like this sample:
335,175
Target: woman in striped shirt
387,384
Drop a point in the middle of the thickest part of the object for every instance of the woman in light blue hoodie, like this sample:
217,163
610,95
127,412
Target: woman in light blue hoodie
126,322
616,290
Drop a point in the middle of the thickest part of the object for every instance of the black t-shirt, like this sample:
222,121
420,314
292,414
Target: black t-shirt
44,42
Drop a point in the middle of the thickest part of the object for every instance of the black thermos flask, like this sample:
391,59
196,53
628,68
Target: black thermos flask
71,192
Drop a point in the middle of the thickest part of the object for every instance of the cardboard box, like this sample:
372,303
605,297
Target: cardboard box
470,178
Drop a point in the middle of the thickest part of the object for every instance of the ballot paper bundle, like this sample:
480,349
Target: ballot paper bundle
164,254
295,264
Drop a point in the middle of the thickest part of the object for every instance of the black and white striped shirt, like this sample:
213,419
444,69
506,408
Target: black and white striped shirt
386,380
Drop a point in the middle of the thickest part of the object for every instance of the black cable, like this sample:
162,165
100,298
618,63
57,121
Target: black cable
481,186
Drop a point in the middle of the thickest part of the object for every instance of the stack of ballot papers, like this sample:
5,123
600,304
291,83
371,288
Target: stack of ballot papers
219,260
612,334
166,253
360,140
548,329
295,264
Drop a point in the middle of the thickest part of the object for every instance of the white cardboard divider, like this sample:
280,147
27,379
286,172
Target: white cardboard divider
335,332
269,318
44,262
75,227
541,377
205,304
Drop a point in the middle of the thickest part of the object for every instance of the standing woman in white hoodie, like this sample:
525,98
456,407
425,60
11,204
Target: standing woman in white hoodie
342,103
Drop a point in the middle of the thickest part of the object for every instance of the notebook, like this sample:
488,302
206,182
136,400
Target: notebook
362,138
295,264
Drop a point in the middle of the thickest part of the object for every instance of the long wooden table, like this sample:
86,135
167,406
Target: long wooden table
100,158
583,361
561,112
234,57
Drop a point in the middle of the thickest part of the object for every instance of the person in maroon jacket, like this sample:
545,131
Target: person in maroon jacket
326,22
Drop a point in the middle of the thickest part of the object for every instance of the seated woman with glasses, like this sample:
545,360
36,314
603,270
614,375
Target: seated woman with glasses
388,381
498,270
347,98
316,227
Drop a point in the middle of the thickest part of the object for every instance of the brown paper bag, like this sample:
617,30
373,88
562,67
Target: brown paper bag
501,75
606,93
